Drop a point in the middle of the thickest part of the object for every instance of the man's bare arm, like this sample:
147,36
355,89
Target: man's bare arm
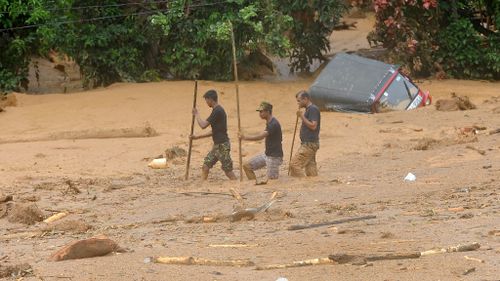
255,137
312,125
202,136
203,123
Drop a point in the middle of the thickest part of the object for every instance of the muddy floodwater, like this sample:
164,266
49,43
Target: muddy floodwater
84,158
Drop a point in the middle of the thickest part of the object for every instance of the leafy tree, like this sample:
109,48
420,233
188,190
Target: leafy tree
16,46
314,21
460,37
125,40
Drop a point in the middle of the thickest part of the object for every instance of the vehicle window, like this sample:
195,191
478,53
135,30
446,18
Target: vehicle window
399,94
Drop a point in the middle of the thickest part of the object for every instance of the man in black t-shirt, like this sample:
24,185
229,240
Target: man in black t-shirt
309,138
272,158
221,150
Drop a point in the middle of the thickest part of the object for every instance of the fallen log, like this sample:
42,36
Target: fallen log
87,248
202,261
317,261
299,226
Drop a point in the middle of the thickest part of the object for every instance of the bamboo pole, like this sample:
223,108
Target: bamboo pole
202,261
293,142
188,162
235,71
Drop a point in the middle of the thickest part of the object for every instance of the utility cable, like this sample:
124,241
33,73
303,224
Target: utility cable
106,17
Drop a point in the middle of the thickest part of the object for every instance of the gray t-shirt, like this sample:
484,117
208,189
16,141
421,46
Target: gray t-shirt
274,138
306,134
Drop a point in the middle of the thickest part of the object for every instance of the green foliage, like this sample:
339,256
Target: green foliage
17,46
408,30
426,36
465,54
199,45
109,50
151,75
314,22
117,40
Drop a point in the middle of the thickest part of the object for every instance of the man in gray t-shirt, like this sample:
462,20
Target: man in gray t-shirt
309,138
272,157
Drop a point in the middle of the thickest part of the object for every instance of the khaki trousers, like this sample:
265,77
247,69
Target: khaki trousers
305,158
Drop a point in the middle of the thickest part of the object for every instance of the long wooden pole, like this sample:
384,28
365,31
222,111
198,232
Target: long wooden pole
186,176
235,71
293,142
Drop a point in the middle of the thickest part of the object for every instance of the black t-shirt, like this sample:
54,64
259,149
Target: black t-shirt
218,121
274,138
306,134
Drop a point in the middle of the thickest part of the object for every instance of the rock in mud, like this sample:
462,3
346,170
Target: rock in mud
87,248
72,226
455,103
25,213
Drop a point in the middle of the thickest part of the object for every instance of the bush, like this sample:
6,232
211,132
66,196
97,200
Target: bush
426,36
465,54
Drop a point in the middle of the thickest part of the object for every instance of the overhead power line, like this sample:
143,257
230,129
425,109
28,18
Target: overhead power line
52,9
105,17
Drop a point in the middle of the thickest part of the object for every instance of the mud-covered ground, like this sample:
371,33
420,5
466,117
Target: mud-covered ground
87,154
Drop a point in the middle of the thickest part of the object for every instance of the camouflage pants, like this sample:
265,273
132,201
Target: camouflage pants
220,152
305,158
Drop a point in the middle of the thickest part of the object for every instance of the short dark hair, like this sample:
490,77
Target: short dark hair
303,94
211,94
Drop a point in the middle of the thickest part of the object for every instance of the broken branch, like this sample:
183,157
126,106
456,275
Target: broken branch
459,248
474,259
317,261
299,226
231,245
250,212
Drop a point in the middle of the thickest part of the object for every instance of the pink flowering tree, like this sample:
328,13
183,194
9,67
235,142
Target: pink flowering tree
408,29
459,38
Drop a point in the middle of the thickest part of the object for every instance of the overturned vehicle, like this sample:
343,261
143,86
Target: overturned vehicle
350,83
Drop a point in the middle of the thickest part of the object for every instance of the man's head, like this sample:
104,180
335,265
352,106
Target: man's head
211,97
265,110
303,99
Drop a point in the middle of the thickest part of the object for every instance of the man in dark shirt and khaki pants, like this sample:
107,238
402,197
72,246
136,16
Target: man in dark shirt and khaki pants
272,157
309,138
221,150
